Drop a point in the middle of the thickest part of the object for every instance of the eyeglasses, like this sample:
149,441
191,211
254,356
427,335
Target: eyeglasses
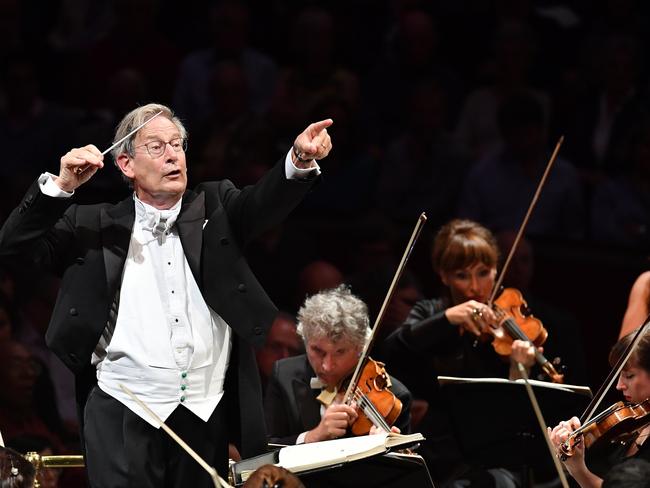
157,148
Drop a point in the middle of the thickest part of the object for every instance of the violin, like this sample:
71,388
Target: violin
373,397
375,403
516,322
614,424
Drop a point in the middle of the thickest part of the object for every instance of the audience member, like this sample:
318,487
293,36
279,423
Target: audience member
431,166
22,412
620,207
499,189
282,341
229,29
607,108
479,129
315,277
313,70
414,52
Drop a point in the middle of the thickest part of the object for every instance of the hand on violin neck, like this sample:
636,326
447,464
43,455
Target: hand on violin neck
524,352
575,460
472,316
334,423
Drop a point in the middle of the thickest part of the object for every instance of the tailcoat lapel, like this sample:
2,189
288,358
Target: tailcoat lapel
190,229
305,395
116,226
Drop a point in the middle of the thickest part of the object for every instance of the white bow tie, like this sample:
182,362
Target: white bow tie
158,222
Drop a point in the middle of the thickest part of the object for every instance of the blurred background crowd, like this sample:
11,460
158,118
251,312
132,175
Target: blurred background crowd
446,107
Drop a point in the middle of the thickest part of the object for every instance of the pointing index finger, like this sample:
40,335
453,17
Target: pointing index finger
317,127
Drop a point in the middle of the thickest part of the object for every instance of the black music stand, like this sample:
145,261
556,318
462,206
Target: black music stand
495,425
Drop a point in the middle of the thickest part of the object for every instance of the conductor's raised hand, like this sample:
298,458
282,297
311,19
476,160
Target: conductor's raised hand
312,143
78,166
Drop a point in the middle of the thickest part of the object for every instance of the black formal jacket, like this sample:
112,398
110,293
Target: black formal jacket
87,246
291,406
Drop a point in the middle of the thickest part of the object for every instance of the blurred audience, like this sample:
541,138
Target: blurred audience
479,130
499,189
423,168
22,409
229,23
620,208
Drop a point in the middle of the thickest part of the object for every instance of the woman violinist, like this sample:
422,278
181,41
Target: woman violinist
445,329
441,336
634,384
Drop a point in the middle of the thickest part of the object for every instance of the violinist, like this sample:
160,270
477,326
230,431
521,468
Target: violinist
442,336
446,329
634,384
303,396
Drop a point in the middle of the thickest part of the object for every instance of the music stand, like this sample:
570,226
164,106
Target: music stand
494,423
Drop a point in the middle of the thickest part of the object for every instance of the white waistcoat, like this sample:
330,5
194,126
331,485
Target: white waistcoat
168,346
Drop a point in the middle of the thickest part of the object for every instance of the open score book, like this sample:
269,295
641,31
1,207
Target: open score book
303,457
318,455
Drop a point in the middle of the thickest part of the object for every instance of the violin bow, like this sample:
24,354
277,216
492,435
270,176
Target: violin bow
497,286
613,374
542,424
523,225
380,316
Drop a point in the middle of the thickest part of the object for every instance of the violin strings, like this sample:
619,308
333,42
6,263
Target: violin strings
369,409
577,433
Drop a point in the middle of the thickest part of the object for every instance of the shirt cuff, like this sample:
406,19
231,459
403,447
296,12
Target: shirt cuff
51,189
294,173
301,438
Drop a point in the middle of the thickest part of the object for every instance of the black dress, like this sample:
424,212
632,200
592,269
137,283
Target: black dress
427,346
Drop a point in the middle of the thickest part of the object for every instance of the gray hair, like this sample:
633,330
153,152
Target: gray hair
334,314
136,117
